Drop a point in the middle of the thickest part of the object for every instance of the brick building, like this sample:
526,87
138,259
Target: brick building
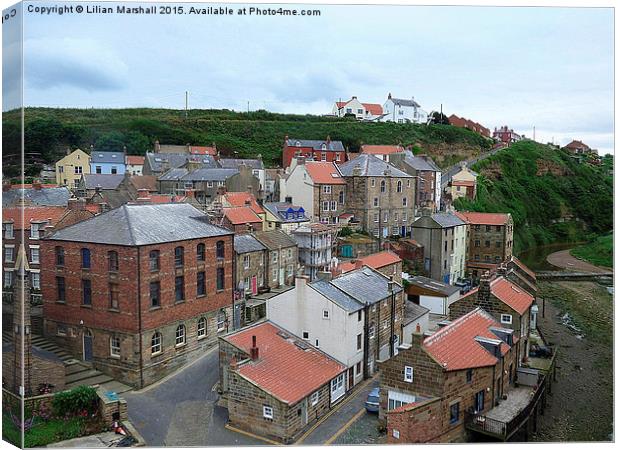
281,261
490,240
411,251
506,135
430,386
276,384
380,196
462,122
327,150
506,302
241,219
138,291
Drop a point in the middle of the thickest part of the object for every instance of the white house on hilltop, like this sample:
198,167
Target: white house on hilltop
403,110
362,111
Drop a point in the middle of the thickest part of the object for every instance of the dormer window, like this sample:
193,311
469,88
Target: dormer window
323,147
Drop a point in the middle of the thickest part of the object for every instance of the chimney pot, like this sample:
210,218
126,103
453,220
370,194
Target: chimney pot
254,349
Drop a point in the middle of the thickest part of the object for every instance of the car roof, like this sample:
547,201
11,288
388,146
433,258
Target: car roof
374,392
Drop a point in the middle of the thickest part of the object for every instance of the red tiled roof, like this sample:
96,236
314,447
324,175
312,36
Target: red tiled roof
92,208
239,198
511,294
373,108
523,267
283,369
135,160
576,144
32,213
196,150
381,149
479,218
323,172
375,260
454,346
341,104
241,215
29,186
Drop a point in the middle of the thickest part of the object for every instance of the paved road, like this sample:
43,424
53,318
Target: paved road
181,410
565,260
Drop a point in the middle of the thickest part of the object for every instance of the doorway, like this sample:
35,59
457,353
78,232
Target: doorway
88,345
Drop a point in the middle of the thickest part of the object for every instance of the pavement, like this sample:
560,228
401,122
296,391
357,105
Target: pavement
182,410
101,440
565,260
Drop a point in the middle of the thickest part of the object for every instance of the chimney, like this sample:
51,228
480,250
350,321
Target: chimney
501,269
301,160
143,196
417,328
358,263
36,185
389,95
354,97
324,276
72,204
6,186
157,147
329,139
484,288
247,203
417,338
249,189
68,151
254,349
286,139
357,171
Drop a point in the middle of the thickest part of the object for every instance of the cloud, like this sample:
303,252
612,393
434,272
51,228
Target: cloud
76,63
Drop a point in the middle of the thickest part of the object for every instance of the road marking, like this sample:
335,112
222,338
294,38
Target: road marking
345,427
356,390
252,435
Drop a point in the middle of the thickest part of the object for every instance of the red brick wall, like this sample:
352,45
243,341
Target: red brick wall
288,153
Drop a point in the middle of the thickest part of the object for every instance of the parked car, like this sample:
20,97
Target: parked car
372,401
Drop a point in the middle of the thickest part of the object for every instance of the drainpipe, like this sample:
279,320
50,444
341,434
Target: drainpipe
366,341
234,284
140,321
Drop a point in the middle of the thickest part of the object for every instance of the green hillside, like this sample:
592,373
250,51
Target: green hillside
49,132
551,196
599,252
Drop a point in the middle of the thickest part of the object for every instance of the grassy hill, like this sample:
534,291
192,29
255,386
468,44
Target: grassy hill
599,252
49,132
551,196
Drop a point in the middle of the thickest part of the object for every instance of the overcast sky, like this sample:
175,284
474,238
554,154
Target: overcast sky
546,67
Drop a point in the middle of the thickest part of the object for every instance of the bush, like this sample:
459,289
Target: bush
346,231
77,401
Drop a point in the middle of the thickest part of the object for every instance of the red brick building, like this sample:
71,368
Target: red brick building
139,290
277,384
327,150
241,219
506,135
577,147
462,122
430,386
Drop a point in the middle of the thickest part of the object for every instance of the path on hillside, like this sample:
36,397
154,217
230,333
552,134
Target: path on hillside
565,260
447,174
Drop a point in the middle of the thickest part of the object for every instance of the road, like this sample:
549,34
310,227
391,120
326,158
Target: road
447,174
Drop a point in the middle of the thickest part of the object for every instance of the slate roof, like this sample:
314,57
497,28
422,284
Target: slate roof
316,145
234,163
246,243
322,172
413,312
454,346
523,267
133,225
203,174
427,283
46,196
339,297
444,219
176,160
287,368
107,157
419,163
405,102
275,239
280,209
480,218
365,284
112,181
371,166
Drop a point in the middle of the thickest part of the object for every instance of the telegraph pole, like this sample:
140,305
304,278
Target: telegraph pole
186,102
534,132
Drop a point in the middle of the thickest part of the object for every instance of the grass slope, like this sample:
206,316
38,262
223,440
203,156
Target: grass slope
551,196
599,252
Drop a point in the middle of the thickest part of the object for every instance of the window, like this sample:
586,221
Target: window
113,287
399,186
327,189
35,278
8,253
61,330
382,186
398,399
60,256
498,244
359,342
325,314
375,202
305,335
314,398
179,288
97,169
8,278
274,274
219,249
507,319
325,206
477,243
333,205
487,243
201,283
395,433
316,343
479,401
386,216
349,110
85,258
385,324
376,217
341,197
34,230
409,374
179,256
289,270
220,279
477,228
371,331
469,375
200,252
289,253
154,260
454,412
337,383
404,201
113,261
60,289
8,231
488,228
210,184
359,315
246,261
180,336
156,344
87,296
77,170
155,294
202,327
372,182
337,156
221,320
267,412
115,347
358,368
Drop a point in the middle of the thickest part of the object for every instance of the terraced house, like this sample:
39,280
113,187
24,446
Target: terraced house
380,196
138,291
316,150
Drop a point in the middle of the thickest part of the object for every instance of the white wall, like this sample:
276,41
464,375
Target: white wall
408,330
437,305
301,309
299,186
457,263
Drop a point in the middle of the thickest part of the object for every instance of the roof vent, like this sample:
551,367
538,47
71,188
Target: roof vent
302,345
282,334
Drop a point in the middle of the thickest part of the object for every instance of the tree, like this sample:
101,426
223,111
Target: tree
440,118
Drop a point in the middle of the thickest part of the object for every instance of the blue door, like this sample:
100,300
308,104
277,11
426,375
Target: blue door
446,278
346,251
88,346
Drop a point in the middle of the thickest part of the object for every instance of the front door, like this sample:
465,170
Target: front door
282,277
88,345
350,379
254,286
304,412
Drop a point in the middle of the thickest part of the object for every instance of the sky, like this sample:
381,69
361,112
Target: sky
549,68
